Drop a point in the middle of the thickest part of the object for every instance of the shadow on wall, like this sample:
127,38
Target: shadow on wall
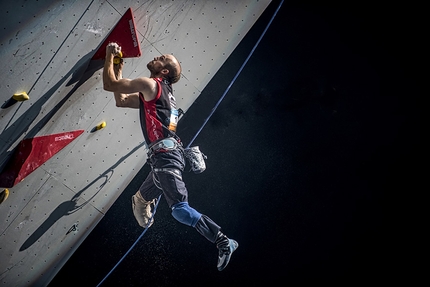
81,72
71,206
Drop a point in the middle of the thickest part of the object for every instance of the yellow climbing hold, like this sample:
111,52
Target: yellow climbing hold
117,58
21,97
3,195
101,125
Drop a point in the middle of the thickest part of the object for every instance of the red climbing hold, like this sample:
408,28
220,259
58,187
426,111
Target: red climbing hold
125,35
32,153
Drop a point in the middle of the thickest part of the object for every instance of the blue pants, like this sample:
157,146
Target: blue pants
174,190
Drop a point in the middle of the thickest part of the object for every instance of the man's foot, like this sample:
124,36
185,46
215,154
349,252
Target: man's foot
226,247
142,210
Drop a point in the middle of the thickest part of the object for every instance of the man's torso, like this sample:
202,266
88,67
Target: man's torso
158,117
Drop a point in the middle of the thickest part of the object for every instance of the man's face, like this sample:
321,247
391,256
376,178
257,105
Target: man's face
157,65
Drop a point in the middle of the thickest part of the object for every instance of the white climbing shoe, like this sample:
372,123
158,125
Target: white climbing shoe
142,210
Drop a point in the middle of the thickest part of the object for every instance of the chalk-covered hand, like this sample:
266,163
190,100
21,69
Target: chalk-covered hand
113,49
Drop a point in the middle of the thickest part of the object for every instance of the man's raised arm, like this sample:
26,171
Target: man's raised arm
126,91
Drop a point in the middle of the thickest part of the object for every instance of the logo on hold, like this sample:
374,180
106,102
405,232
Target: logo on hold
64,137
133,33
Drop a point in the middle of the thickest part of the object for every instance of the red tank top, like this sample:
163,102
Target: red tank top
159,116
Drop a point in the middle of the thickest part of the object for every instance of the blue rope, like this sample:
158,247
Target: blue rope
134,244
198,132
237,74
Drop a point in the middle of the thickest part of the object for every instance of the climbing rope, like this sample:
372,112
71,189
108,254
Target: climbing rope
134,244
198,132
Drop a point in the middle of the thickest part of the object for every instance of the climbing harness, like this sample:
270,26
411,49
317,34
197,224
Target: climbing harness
166,144
193,155
198,132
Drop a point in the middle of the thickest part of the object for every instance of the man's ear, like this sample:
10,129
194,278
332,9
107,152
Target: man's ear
165,72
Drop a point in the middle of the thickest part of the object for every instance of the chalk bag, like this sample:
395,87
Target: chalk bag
196,159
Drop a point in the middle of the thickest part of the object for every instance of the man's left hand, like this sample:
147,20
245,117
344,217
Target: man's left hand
113,49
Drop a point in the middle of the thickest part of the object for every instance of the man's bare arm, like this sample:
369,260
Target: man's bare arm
126,91
124,100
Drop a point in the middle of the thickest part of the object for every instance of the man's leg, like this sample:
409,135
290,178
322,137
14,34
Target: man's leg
142,208
209,229
176,196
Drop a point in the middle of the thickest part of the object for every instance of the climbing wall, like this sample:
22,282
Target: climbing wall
45,50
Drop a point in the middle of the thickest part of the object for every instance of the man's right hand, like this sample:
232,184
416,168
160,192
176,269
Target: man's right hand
113,49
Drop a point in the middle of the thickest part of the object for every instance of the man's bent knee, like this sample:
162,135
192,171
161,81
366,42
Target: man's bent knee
185,214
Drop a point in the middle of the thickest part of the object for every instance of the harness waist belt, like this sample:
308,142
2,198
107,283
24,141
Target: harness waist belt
165,144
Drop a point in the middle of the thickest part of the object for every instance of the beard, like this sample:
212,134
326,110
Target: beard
150,66
153,68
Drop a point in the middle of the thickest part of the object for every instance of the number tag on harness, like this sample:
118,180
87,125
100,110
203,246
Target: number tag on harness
174,118
196,159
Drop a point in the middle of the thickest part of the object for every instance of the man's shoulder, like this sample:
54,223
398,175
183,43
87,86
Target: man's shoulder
146,80
145,83
149,88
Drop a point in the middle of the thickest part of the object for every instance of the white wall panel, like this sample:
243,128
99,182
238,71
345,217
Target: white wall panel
201,34
45,50
32,34
41,242
18,199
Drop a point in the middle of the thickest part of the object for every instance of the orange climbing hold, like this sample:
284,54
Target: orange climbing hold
4,195
101,126
20,97
117,58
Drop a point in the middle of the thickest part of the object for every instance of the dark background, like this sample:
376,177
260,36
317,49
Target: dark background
308,156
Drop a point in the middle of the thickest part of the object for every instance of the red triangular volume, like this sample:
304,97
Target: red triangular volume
32,153
125,35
